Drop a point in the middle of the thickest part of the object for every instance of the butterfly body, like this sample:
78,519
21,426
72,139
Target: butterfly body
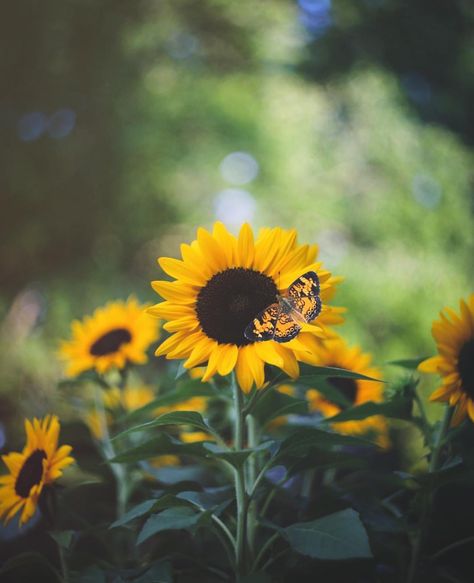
282,320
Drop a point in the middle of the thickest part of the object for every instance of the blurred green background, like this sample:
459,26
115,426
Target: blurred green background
127,124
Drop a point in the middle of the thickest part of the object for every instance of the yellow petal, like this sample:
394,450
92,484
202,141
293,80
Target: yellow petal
181,271
245,247
228,358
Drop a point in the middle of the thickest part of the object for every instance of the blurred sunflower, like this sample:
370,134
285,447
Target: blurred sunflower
454,336
335,352
40,463
221,284
115,335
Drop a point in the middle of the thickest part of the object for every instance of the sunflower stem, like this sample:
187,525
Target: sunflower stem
434,463
108,450
253,438
239,480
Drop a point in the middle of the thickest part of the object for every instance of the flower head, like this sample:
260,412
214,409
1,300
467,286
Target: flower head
40,463
115,335
454,336
335,352
221,283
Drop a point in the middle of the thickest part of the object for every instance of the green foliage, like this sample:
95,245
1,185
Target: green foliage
337,536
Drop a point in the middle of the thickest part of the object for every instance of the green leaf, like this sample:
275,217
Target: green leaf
234,458
338,536
157,573
189,388
397,408
191,418
210,498
331,371
160,445
310,437
409,363
324,459
170,519
135,512
274,404
63,538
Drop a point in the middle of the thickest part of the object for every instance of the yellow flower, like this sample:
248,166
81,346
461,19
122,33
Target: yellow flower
40,463
221,284
115,335
335,352
454,336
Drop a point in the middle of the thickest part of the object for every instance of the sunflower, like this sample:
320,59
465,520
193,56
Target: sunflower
454,336
335,352
115,335
221,284
40,463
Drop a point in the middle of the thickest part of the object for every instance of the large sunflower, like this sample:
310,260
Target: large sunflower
40,463
115,335
335,352
221,284
454,336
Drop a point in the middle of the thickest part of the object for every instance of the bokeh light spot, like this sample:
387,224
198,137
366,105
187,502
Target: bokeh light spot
234,206
31,126
61,123
239,168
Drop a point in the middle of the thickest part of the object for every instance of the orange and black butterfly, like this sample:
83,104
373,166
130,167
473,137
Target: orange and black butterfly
282,320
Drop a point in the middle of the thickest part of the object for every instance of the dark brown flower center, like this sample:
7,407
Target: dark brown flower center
466,367
347,387
110,342
229,301
30,474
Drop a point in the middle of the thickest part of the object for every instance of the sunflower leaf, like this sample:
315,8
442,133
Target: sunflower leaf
153,505
162,444
234,458
171,519
191,418
409,363
310,437
188,389
334,537
274,404
331,371
397,408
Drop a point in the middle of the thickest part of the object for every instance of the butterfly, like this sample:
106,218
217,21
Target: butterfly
283,320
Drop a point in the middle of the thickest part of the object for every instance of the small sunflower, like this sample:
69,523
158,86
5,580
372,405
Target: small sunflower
115,335
40,463
454,336
335,352
221,283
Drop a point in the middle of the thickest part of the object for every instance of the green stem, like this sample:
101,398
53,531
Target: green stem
434,462
118,470
252,432
239,480
264,549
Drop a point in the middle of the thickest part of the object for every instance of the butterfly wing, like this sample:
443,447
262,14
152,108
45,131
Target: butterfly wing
286,327
303,295
263,326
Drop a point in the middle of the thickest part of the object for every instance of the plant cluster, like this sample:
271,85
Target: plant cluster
253,459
